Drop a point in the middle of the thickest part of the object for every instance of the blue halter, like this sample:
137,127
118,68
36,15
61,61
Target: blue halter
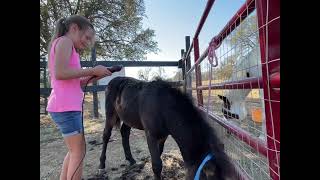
205,160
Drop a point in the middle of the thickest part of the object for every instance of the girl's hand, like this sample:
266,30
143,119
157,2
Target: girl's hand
101,71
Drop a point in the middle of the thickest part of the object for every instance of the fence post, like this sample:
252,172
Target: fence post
95,96
188,67
183,71
45,86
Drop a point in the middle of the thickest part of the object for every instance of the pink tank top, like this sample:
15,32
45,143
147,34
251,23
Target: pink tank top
66,95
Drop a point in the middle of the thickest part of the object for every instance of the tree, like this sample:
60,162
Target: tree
159,73
148,73
245,36
177,76
242,40
225,70
118,25
143,74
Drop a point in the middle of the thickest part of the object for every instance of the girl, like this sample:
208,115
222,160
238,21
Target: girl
65,101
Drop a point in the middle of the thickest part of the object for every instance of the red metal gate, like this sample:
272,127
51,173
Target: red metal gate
244,87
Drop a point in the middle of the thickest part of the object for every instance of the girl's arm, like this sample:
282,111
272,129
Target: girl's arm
63,52
84,80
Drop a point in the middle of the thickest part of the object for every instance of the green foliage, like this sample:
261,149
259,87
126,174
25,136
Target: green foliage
118,25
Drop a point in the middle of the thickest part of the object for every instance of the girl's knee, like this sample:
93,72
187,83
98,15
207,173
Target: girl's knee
67,156
76,156
76,152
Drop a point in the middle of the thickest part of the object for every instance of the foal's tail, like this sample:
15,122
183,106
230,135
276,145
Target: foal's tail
113,91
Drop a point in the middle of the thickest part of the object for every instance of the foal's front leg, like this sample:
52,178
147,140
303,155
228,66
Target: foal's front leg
153,146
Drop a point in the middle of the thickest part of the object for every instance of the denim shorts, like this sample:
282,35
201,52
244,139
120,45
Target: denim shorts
69,122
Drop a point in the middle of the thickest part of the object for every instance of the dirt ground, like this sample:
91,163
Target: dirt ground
53,150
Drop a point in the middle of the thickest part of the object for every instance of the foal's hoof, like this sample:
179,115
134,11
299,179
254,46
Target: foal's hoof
158,178
132,162
101,172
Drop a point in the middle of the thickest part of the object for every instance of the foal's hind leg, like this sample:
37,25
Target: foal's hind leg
125,133
153,145
106,137
161,144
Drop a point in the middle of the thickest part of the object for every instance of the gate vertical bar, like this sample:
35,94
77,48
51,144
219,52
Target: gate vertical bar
198,71
268,12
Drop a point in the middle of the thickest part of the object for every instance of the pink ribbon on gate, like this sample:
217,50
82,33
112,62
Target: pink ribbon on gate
211,52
